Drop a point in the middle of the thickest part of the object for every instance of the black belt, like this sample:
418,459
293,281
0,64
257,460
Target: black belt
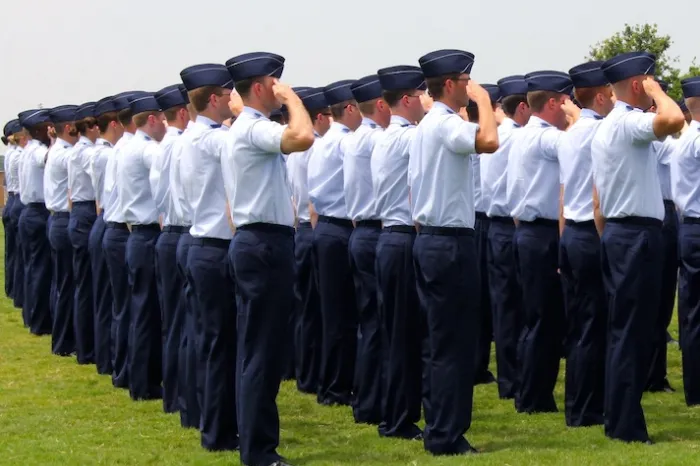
12,193
641,221
498,219
147,227
445,231
215,242
117,226
77,203
369,223
546,222
175,229
60,214
266,228
586,223
691,220
481,215
400,229
36,204
304,225
343,222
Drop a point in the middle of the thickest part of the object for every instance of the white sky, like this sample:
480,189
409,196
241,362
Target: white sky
70,52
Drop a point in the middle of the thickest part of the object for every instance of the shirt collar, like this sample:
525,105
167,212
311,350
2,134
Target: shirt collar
143,135
205,120
537,122
173,131
369,122
694,125
588,113
103,142
340,127
85,140
627,107
252,113
399,120
511,122
441,107
63,143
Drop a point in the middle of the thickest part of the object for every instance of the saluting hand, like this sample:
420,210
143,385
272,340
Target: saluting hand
235,104
571,110
426,101
477,93
651,86
283,93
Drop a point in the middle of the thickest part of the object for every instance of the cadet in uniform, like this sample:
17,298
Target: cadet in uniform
110,131
684,109
359,201
330,248
11,184
447,276
141,214
685,177
533,193
579,254
65,323
20,138
82,217
209,88
401,323
172,101
504,288
627,182
309,335
262,251
32,223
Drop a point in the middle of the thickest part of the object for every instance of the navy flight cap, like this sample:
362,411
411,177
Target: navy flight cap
87,110
145,102
691,87
30,118
627,65
63,113
183,91
553,81
402,77
9,126
442,62
298,89
588,75
663,84
682,105
494,92
254,65
209,74
123,99
366,89
105,105
313,98
512,85
170,96
339,91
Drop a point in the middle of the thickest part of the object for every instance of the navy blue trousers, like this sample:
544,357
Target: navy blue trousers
669,282
114,250
37,271
586,323
402,332
102,298
10,245
145,338
338,311
631,255
309,336
173,313
539,346
689,308
63,340
367,402
19,257
82,217
506,300
447,278
262,259
483,348
210,277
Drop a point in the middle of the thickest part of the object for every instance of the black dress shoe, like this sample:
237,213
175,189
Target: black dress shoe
649,442
485,378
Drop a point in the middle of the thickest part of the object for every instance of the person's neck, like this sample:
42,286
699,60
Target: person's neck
146,130
545,117
256,106
110,136
320,129
130,129
346,122
89,137
209,113
400,112
455,107
181,125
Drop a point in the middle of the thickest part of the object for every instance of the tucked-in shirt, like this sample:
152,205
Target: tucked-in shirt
685,171
325,172
297,170
31,174
181,210
13,170
255,174
389,167
494,172
134,166
625,169
663,150
159,176
98,165
113,211
357,172
56,176
440,169
576,170
79,181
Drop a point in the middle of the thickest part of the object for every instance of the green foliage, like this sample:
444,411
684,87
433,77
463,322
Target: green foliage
646,38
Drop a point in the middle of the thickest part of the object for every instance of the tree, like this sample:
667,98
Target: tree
646,38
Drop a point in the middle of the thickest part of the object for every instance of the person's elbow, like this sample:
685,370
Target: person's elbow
297,140
487,143
670,123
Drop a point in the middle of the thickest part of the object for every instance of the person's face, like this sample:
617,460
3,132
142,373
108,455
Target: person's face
157,123
606,100
221,104
456,89
557,112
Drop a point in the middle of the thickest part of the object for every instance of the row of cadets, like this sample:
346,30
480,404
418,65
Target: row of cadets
14,260
685,176
579,253
36,249
506,296
262,252
83,213
309,335
173,102
626,178
402,324
331,239
208,271
447,275
362,246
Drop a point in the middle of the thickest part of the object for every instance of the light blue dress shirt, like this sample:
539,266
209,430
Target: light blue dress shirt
357,172
32,172
325,172
255,174
79,180
494,172
389,166
159,176
56,176
12,180
663,150
625,169
98,166
134,188
113,208
685,171
297,170
480,201
181,209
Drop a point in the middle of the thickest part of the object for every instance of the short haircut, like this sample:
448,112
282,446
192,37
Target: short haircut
171,113
436,85
105,119
244,86
199,98
318,111
368,107
125,117
538,99
392,98
511,103
338,110
61,127
586,95
85,124
140,119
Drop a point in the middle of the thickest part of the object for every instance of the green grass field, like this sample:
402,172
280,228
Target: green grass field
54,412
